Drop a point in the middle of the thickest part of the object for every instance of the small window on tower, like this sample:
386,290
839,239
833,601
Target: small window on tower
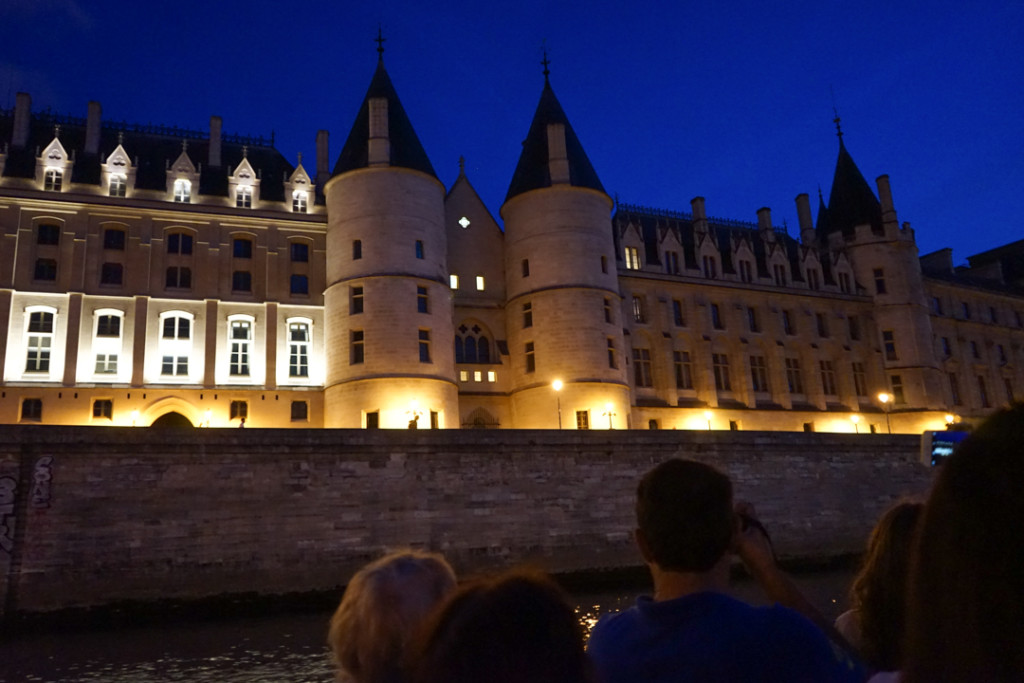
480,283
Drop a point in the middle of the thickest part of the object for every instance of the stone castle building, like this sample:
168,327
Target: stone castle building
153,275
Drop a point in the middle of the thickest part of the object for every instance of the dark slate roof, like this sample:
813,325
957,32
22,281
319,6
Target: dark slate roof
1010,258
721,231
533,171
406,150
151,149
851,202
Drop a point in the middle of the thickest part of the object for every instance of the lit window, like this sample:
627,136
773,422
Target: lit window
108,326
642,367
794,378
684,369
582,419
111,274
53,180
46,269
356,347
478,376
300,411
182,191
177,327
720,367
299,252
241,335
463,375
632,258
174,344
174,365
300,201
424,338
103,408
299,284
453,281
492,376
241,281
464,222
40,341
179,277
242,248
355,300
113,239
243,197
480,283
759,374
422,300
118,185
298,349
179,243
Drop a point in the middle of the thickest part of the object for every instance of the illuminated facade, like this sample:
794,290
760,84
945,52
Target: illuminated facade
150,274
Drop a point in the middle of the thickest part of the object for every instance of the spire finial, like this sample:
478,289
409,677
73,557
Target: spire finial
120,137
462,165
380,42
300,158
245,151
545,62
56,131
839,130
821,197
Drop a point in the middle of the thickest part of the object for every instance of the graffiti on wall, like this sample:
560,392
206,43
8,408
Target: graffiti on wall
8,489
42,475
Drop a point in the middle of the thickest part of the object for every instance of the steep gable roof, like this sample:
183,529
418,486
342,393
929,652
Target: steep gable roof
406,150
533,172
851,201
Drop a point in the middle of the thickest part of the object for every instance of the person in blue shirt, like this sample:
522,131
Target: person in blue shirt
691,630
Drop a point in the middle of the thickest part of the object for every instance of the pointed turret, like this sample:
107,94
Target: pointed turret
382,134
552,154
851,201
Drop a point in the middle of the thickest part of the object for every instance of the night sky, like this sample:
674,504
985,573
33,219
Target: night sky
732,101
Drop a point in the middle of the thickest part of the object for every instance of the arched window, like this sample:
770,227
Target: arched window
460,354
470,350
483,350
472,345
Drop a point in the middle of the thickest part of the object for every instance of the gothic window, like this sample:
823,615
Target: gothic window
759,374
179,243
118,185
243,197
53,180
794,378
632,258
472,345
720,367
179,277
684,369
860,379
746,271
241,337
639,314
779,272
300,201
182,191
113,239
40,341
642,367
828,377
298,349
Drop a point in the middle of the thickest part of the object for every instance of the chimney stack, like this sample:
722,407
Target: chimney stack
885,198
700,218
215,141
803,214
22,118
764,220
323,164
93,125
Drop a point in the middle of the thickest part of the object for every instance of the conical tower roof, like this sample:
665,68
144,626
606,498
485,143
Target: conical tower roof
851,201
533,171
406,150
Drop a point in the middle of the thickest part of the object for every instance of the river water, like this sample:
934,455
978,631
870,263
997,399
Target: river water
274,649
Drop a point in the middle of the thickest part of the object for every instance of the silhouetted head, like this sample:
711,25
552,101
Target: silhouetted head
383,606
515,628
684,513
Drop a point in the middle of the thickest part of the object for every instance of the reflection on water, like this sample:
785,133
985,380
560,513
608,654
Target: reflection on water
276,649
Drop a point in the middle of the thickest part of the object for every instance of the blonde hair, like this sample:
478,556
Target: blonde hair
383,605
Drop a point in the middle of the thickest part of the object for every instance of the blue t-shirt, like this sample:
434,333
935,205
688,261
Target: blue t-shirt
713,637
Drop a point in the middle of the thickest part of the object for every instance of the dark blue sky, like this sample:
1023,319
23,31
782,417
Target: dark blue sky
728,100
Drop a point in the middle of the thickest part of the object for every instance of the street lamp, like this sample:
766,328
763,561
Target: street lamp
950,420
885,398
608,412
557,386
855,419
707,416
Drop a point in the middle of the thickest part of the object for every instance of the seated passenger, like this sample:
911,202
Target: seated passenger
878,597
690,629
383,606
515,628
964,618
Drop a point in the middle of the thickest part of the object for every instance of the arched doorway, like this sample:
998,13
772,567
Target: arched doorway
172,421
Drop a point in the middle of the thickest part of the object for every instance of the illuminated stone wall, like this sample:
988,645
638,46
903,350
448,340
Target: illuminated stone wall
102,515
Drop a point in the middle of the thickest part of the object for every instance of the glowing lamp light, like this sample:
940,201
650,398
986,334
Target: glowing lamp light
609,413
950,419
707,416
135,417
884,397
855,419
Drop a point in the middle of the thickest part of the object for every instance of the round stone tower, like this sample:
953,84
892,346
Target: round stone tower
564,308
388,312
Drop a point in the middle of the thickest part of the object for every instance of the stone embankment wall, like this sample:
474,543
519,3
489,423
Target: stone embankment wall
90,516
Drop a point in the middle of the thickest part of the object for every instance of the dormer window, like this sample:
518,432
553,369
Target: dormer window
243,197
53,180
299,201
182,191
118,185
